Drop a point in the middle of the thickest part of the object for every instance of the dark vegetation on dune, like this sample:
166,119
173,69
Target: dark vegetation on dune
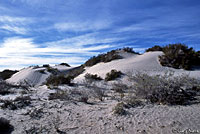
178,56
7,74
107,57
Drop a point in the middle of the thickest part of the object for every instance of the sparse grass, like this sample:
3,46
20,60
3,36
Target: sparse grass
5,126
112,75
165,89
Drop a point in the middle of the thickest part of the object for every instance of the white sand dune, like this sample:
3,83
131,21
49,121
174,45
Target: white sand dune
34,76
132,63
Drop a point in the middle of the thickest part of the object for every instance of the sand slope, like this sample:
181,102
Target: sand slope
34,76
147,62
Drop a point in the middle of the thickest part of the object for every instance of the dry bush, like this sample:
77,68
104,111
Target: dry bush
112,75
165,89
119,87
98,93
18,103
5,126
119,109
59,94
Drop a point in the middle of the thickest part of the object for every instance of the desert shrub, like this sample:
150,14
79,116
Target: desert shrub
112,75
18,103
128,50
65,64
155,48
54,71
42,71
58,80
5,126
165,89
99,93
179,56
5,74
132,101
119,109
59,94
119,87
45,65
109,56
92,77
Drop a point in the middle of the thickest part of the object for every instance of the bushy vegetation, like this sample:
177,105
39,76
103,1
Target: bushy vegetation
6,74
165,89
59,94
179,56
119,109
5,126
18,103
65,64
112,75
109,56
128,50
95,77
46,65
58,80
155,48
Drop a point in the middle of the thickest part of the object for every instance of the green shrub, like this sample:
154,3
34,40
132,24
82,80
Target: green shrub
58,80
114,74
166,89
6,74
179,56
93,77
65,64
128,50
109,56
45,65
155,48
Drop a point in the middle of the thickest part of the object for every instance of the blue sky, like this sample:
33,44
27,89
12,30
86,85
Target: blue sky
36,32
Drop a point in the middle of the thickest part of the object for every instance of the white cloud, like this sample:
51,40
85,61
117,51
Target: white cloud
12,19
15,29
23,51
15,24
82,26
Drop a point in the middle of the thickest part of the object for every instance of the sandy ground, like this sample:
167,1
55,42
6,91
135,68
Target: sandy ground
70,117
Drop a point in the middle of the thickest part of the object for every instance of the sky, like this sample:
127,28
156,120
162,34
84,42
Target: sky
36,32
